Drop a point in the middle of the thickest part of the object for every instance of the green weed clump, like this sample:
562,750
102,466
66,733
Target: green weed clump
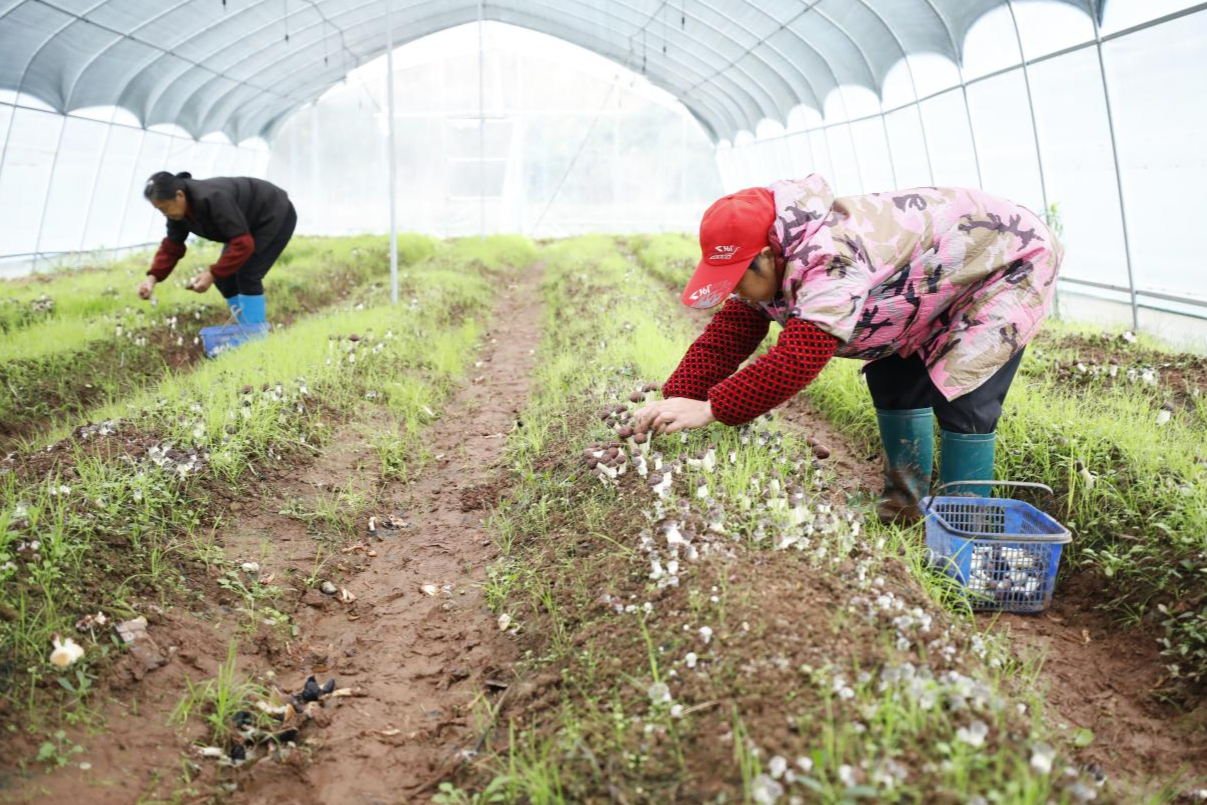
777,659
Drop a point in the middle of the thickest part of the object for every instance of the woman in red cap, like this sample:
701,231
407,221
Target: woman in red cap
939,289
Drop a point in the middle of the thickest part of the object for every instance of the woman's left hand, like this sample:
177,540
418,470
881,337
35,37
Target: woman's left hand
202,282
673,415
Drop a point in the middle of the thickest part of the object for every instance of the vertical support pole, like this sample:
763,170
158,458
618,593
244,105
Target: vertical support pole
481,130
54,163
1039,160
96,177
131,188
1110,126
392,156
888,146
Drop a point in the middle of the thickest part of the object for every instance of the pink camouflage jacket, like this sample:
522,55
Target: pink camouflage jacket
959,276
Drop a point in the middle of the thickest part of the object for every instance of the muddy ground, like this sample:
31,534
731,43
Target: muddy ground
420,667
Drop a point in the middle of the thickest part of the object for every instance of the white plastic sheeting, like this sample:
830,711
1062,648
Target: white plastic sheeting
561,143
1100,125
242,66
73,183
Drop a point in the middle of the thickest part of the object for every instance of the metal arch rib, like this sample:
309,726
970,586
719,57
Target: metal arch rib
854,43
799,73
815,8
119,37
900,47
366,21
909,70
738,87
72,20
694,107
720,108
783,26
551,27
78,17
162,86
957,55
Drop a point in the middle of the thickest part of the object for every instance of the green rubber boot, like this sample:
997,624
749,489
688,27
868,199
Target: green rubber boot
967,457
908,438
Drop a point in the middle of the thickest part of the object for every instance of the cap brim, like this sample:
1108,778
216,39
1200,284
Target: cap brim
710,285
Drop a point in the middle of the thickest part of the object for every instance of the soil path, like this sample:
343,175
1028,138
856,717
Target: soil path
428,665
1095,675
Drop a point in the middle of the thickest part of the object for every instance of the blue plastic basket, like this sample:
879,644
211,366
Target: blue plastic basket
224,337
1004,552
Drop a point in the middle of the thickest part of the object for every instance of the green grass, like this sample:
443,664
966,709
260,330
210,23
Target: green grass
116,526
98,346
1139,518
825,682
216,702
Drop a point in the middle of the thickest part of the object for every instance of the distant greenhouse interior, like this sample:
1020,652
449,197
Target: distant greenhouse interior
552,120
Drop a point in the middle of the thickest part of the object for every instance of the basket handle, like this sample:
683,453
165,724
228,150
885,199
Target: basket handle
1029,484
233,318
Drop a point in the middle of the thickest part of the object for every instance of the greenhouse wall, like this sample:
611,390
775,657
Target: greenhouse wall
1102,127
553,141
71,185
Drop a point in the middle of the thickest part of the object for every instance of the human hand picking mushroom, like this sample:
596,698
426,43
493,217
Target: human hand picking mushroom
673,415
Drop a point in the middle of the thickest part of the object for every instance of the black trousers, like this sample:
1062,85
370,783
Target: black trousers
898,384
249,279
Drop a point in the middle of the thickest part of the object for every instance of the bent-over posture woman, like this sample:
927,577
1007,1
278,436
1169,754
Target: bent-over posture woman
253,218
938,289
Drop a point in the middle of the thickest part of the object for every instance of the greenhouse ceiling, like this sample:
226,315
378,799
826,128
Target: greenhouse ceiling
242,66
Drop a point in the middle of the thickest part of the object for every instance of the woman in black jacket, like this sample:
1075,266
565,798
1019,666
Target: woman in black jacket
254,218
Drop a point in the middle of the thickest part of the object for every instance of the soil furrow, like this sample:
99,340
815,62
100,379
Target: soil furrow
428,665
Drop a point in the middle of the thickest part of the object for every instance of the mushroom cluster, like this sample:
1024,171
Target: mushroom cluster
276,725
174,462
347,348
1009,573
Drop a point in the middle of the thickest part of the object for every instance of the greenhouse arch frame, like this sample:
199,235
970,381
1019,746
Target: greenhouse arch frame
242,69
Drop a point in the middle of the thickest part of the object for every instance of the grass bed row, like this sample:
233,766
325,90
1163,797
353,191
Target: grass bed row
1130,483
93,350
772,661
122,513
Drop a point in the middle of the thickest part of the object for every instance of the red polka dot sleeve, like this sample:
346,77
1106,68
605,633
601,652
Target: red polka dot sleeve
798,356
735,331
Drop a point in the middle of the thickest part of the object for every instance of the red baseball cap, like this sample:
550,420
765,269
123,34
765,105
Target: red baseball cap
732,233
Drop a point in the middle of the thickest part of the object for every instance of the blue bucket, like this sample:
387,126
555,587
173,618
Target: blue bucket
225,337
1005,553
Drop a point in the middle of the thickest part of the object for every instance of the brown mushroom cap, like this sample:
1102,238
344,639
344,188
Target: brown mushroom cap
636,397
655,479
626,432
592,463
821,451
248,389
641,438
354,337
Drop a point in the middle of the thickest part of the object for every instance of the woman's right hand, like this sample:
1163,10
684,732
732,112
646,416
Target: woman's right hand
146,288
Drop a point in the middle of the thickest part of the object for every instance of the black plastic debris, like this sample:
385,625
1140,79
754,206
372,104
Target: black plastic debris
312,691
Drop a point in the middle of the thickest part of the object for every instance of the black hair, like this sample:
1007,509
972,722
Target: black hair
162,186
754,265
